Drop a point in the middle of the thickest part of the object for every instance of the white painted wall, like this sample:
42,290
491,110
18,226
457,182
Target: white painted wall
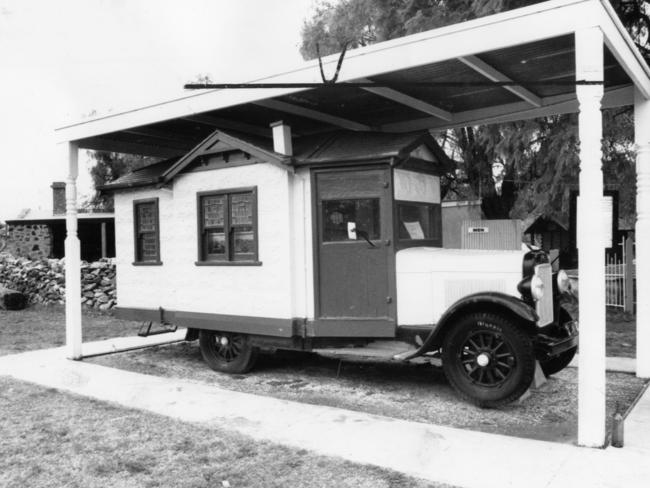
270,290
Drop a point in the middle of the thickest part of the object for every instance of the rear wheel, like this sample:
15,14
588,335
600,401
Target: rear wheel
227,352
488,360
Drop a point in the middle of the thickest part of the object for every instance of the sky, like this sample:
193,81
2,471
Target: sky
63,60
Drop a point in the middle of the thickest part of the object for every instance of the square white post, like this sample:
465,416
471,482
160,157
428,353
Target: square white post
72,256
642,233
591,237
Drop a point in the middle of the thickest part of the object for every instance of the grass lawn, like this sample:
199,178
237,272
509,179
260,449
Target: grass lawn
41,327
53,439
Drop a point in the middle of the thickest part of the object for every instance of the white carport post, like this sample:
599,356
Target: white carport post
642,231
591,241
72,255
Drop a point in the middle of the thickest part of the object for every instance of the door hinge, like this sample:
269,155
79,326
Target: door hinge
389,299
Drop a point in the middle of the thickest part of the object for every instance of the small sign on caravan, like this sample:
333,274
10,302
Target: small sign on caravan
478,230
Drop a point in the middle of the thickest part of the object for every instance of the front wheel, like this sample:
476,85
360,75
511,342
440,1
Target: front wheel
488,360
227,352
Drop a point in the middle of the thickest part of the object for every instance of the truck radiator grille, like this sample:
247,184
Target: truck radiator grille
544,307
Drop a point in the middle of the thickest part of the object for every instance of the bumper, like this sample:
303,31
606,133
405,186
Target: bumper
547,347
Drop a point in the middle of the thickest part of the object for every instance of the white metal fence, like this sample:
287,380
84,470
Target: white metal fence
619,278
614,283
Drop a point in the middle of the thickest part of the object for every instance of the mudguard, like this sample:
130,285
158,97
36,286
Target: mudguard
482,301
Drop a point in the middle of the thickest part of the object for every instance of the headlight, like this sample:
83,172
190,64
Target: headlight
563,282
536,287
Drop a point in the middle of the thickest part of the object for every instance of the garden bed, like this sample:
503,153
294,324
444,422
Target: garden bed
411,392
405,391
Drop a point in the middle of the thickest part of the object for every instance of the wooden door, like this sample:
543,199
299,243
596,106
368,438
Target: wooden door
355,276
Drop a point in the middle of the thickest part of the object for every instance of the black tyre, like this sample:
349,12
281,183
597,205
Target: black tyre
227,352
558,363
488,360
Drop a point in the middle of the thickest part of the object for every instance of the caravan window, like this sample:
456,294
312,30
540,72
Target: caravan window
228,226
418,221
146,231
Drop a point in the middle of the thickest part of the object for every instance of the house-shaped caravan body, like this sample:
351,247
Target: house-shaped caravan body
289,243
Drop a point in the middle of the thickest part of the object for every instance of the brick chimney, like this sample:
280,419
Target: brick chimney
282,138
58,197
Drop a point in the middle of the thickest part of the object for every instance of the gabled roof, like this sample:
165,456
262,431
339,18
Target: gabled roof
363,146
334,147
220,141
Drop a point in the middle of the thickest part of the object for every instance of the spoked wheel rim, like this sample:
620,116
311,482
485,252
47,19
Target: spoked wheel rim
227,347
487,359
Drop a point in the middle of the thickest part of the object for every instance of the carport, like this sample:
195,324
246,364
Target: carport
561,56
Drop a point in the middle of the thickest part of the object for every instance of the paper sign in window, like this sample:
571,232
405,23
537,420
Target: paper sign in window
414,230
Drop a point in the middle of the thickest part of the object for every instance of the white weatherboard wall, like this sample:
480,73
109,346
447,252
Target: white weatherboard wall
178,284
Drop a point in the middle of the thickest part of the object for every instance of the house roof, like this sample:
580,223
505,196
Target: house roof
35,217
541,223
337,146
532,50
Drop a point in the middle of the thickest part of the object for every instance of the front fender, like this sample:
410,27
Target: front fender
482,301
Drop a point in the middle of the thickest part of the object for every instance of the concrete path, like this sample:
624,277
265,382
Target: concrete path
122,344
455,456
613,364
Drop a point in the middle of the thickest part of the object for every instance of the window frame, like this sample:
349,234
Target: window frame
137,259
229,259
406,243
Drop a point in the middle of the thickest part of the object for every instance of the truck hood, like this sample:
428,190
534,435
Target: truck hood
427,259
431,279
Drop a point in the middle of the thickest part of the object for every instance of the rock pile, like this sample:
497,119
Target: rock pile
44,281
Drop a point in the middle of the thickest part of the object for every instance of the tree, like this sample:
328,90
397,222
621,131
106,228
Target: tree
108,167
542,154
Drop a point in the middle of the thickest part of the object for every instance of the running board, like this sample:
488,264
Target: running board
386,350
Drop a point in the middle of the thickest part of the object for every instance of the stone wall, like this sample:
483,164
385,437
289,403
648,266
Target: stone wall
44,281
31,241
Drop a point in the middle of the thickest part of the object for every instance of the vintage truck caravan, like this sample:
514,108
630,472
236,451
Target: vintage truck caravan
326,241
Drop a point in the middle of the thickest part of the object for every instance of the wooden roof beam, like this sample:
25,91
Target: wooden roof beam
159,134
312,114
112,145
493,74
221,123
408,100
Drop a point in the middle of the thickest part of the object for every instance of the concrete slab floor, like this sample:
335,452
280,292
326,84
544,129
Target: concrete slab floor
455,456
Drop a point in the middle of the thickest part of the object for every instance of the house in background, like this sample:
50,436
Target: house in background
458,206
37,234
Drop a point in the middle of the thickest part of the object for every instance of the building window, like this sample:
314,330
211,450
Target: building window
147,231
418,221
228,227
